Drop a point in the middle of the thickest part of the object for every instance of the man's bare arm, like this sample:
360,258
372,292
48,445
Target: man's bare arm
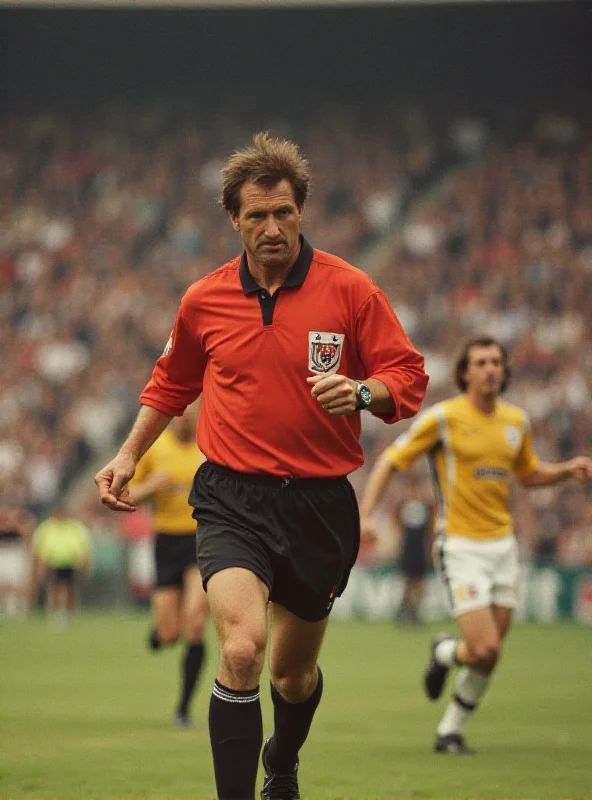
114,477
375,487
579,468
376,484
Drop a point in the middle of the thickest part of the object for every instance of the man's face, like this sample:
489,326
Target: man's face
485,370
268,223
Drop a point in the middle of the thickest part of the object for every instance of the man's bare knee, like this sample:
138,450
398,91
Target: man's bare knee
193,634
168,634
243,657
295,687
486,652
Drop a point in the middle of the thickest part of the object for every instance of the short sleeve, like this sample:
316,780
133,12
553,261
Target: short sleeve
526,461
177,378
388,355
421,437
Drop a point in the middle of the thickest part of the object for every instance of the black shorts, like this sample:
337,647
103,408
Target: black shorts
174,554
300,537
63,575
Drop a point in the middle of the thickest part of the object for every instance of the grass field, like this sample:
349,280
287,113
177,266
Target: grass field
86,713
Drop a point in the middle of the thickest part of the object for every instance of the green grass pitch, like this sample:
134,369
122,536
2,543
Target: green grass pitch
86,714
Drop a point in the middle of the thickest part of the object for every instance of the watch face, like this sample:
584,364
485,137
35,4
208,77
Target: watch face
365,395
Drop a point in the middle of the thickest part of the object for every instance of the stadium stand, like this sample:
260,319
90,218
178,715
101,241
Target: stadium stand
469,223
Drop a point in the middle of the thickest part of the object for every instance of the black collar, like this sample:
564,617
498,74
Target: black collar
294,278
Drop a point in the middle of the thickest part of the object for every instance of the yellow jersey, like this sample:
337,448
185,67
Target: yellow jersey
472,456
179,460
62,542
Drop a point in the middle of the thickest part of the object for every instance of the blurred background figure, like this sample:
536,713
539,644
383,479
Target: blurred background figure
414,516
164,477
63,556
16,530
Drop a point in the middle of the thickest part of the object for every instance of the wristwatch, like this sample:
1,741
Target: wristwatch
364,396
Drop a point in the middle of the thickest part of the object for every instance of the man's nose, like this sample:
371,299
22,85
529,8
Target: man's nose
271,228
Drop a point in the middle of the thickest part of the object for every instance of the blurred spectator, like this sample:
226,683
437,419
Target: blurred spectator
16,530
63,555
414,516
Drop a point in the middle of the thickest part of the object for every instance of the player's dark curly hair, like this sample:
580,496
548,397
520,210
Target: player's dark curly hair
462,361
266,162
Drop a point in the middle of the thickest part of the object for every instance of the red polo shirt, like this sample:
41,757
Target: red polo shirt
250,354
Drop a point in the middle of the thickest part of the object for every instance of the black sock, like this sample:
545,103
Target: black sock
154,642
236,736
191,667
291,725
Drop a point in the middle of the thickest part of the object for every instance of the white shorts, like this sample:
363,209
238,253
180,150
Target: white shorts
14,564
477,574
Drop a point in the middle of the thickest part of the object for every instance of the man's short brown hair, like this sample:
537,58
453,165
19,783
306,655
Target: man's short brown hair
266,162
462,361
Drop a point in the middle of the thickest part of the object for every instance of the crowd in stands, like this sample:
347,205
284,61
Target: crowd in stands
106,218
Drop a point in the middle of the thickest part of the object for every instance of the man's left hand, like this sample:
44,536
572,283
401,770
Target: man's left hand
581,468
335,393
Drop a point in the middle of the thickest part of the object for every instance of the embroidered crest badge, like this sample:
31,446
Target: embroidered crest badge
513,436
324,351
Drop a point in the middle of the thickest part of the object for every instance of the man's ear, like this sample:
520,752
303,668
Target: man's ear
234,221
301,212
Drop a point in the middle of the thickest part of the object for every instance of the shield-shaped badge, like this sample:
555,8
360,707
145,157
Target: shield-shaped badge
324,351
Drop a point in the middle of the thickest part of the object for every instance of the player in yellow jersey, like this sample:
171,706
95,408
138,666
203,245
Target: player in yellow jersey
474,442
179,603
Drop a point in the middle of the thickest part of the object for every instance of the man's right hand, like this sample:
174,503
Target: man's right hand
368,532
112,483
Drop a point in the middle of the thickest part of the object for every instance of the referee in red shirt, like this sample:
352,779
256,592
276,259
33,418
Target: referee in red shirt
288,344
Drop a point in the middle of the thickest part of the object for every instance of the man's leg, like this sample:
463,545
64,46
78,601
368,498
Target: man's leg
166,613
72,596
296,688
57,598
412,597
51,597
238,602
194,614
477,654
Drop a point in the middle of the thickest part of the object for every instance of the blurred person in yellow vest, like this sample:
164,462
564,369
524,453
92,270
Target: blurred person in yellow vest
63,554
164,476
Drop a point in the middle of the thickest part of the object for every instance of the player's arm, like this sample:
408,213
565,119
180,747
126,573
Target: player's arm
376,484
156,481
393,368
177,381
532,473
38,546
545,474
421,438
112,480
